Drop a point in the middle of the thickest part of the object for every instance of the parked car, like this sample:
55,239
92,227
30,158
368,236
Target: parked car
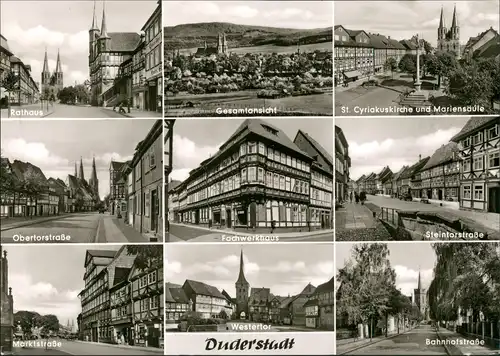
406,197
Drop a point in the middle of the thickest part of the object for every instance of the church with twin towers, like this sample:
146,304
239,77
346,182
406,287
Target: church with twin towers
52,82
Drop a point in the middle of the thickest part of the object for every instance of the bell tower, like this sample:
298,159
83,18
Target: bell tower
242,292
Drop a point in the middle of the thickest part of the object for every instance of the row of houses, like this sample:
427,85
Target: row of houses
26,191
123,298
127,65
466,170
136,186
261,180
27,91
311,308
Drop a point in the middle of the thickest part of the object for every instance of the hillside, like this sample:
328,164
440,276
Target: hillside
195,35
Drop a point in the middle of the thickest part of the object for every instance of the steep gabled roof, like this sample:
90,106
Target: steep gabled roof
408,173
260,293
175,294
398,174
203,289
123,41
443,154
326,287
121,274
173,184
474,124
328,157
26,170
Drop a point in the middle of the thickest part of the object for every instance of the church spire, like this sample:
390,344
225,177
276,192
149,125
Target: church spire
94,20
45,63
76,171
80,175
419,285
104,30
241,276
93,176
454,21
441,20
58,65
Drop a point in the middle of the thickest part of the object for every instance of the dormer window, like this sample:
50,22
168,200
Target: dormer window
270,130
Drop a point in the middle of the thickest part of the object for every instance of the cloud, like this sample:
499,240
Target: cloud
242,11
43,297
372,156
33,152
289,13
33,37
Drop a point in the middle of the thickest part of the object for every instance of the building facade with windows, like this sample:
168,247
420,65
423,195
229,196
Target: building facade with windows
259,179
205,299
177,304
5,66
101,267
342,165
7,306
153,51
479,147
145,184
117,189
27,91
148,303
441,174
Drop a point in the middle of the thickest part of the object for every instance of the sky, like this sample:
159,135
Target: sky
64,24
196,140
287,14
395,142
56,153
284,268
404,19
48,278
406,265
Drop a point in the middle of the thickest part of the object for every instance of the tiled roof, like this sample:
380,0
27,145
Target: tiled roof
360,179
326,287
260,293
308,290
175,294
206,51
398,174
443,154
409,44
318,147
408,173
311,303
123,41
226,294
474,124
489,49
117,166
173,184
121,274
379,41
102,253
286,302
26,170
4,44
204,289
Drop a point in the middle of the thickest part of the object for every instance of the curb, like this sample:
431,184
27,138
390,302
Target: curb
34,222
446,347
372,343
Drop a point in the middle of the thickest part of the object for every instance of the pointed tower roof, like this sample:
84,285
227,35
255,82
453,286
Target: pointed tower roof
93,176
58,65
454,21
80,173
94,20
104,29
241,276
441,20
45,63
419,285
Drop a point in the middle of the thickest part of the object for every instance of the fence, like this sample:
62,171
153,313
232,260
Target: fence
389,215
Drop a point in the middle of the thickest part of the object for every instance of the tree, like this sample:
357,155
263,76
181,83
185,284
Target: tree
26,320
471,85
49,324
223,315
32,188
10,83
146,256
391,64
408,63
366,283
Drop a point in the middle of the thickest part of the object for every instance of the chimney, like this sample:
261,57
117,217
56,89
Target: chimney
389,37
419,158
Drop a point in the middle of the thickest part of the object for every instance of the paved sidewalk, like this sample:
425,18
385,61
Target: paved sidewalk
348,345
218,231
14,222
135,113
457,344
354,216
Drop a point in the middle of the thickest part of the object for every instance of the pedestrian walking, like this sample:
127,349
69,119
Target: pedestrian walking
356,196
350,197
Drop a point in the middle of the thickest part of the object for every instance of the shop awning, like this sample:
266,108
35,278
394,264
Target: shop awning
352,74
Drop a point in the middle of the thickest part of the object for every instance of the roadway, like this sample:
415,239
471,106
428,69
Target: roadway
80,227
